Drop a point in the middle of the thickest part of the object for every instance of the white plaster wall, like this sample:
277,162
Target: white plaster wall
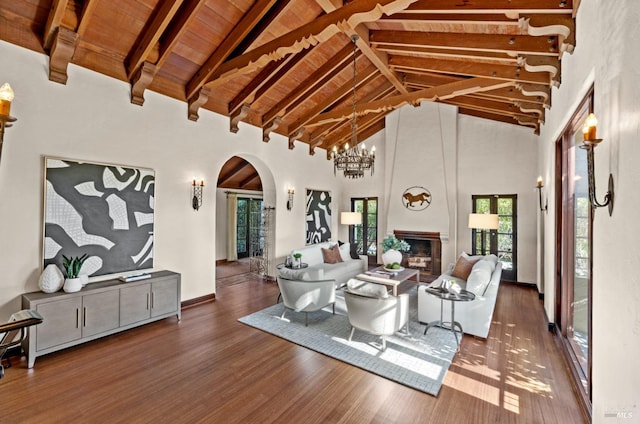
607,55
92,119
497,158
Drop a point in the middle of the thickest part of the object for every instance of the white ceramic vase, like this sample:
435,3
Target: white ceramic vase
72,285
51,280
391,256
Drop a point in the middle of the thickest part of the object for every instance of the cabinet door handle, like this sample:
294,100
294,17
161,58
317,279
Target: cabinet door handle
148,301
84,316
77,317
153,299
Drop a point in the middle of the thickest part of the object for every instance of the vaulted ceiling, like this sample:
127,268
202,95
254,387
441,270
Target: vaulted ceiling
287,66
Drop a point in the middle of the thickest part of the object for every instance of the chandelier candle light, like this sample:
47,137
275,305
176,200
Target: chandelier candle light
353,161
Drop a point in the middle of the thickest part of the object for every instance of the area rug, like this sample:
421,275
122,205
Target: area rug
415,360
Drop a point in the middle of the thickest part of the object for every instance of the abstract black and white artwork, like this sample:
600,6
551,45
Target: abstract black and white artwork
105,211
318,216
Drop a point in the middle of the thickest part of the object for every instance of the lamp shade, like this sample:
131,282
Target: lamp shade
350,218
483,221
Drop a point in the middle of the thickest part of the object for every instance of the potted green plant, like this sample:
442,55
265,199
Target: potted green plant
72,266
392,249
298,260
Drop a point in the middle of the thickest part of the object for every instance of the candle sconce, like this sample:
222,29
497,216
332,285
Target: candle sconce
539,186
589,144
196,201
290,193
6,97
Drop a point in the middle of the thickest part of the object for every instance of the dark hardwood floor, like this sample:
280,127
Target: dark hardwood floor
209,368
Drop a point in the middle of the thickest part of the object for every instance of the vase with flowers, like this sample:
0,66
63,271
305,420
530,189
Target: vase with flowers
392,249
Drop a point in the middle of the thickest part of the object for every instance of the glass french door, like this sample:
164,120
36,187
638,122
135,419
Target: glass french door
249,227
365,236
573,313
504,242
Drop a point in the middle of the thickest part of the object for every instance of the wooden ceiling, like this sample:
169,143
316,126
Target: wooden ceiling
287,66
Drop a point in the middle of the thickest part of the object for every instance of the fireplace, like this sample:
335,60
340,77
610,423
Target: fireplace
425,253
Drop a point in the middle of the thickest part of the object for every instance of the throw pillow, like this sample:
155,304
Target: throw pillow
463,268
332,255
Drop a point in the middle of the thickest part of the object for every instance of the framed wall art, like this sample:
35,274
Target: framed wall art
102,210
318,218
416,198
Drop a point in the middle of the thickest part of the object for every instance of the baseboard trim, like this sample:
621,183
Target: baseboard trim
197,301
540,296
221,262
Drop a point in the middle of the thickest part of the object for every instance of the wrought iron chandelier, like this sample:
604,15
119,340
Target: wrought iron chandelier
353,161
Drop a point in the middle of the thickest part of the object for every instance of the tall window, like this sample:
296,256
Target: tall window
249,227
504,242
574,257
365,236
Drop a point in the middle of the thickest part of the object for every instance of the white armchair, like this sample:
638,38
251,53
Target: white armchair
380,316
307,296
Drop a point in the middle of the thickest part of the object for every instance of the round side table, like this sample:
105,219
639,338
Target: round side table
443,294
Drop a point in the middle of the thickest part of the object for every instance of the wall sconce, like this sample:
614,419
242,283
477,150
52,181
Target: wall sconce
6,97
539,187
290,192
196,201
589,144
482,222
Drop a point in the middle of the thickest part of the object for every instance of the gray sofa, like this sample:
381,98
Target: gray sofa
318,270
474,316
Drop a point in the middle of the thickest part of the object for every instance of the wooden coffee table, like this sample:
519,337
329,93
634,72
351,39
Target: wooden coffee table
375,276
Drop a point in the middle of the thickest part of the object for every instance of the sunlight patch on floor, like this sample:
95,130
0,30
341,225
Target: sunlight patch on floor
472,387
511,402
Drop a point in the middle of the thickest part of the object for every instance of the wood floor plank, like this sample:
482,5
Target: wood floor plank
211,368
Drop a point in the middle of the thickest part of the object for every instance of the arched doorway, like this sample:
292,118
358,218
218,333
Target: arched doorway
245,223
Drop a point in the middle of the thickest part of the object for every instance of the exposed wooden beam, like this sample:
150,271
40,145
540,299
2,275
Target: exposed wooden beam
177,28
231,41
442,92
317,31
88,8
310,85
246,181
195,102
62,49
151,35
232,173
56,13
237,116
140,81
471,69
498,108
379,59
267,78
492,6
514,44
339,94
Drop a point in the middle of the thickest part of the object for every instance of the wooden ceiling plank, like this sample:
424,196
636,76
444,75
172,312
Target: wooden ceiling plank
268,76
58,7
511,73
442,92
334,98
514,44
152,34
317,31
507,109
233,39
309,86
274,13
245,182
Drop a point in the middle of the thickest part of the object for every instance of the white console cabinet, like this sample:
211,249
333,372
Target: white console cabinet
99,309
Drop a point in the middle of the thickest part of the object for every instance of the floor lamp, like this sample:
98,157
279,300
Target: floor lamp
351,218
483,222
